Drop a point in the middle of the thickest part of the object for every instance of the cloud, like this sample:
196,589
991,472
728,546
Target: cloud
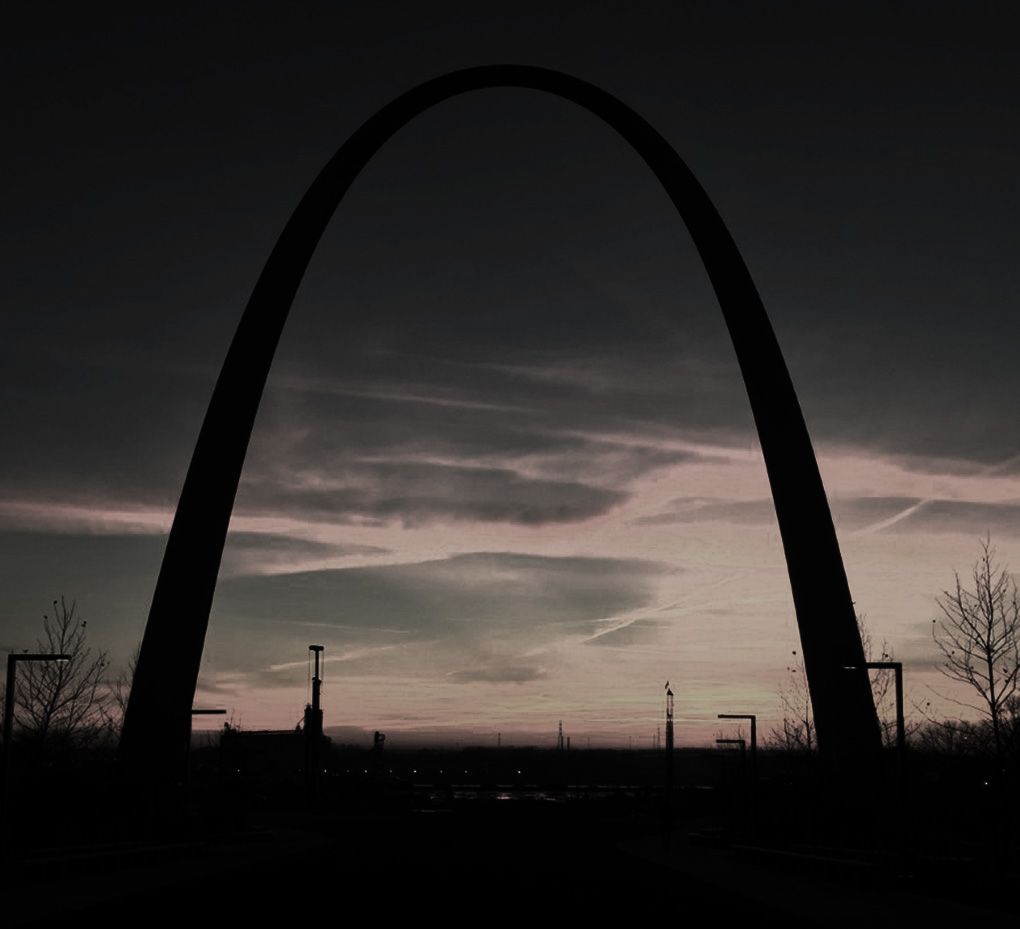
960,516
251,552
872,514
640,632
699,510
468,614
485,413
99,517
414,493
498,674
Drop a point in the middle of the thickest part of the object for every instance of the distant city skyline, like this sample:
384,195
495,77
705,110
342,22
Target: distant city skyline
504,470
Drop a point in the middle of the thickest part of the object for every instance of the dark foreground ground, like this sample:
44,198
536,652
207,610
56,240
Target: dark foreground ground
464,862
498,836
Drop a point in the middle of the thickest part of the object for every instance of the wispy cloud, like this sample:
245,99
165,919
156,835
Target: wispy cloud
110,518
354,654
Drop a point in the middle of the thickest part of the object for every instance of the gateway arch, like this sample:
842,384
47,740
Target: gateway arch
157,720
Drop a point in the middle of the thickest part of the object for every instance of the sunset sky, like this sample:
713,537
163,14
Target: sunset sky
505,469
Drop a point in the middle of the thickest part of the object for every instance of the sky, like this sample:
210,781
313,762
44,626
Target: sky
505,469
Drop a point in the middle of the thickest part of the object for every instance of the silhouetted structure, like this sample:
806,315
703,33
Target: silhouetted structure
270,755
669,737
313,728
156,721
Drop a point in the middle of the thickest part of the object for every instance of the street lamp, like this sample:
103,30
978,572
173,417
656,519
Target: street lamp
754,737
187,753
12,665
897,667
901,740
754,763
743,788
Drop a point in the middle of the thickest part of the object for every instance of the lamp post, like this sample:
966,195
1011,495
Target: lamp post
754,738
186,777
741,742
743,790
12,665
897,668
901,743
754,763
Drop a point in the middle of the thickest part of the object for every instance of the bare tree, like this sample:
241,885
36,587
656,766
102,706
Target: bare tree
883,688
979,638
59,703
795,733
120,689
796,730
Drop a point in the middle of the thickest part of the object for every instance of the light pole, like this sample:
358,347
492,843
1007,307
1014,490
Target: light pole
901,743
754,763
743,794
897,668
754,738
12,665
186,777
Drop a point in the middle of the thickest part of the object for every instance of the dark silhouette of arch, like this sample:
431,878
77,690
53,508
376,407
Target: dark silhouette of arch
158,714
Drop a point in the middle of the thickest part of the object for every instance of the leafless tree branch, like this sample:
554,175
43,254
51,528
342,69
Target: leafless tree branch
978,637
60,702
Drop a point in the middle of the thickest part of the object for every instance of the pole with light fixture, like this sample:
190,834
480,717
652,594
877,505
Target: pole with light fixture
9,695
901,744
754,763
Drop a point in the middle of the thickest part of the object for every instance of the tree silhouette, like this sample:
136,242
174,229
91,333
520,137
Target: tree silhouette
979,638
61,703
120,690
795,733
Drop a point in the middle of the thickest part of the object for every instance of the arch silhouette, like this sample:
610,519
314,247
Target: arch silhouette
157,720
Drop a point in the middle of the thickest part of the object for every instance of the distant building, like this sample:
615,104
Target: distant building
266,754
